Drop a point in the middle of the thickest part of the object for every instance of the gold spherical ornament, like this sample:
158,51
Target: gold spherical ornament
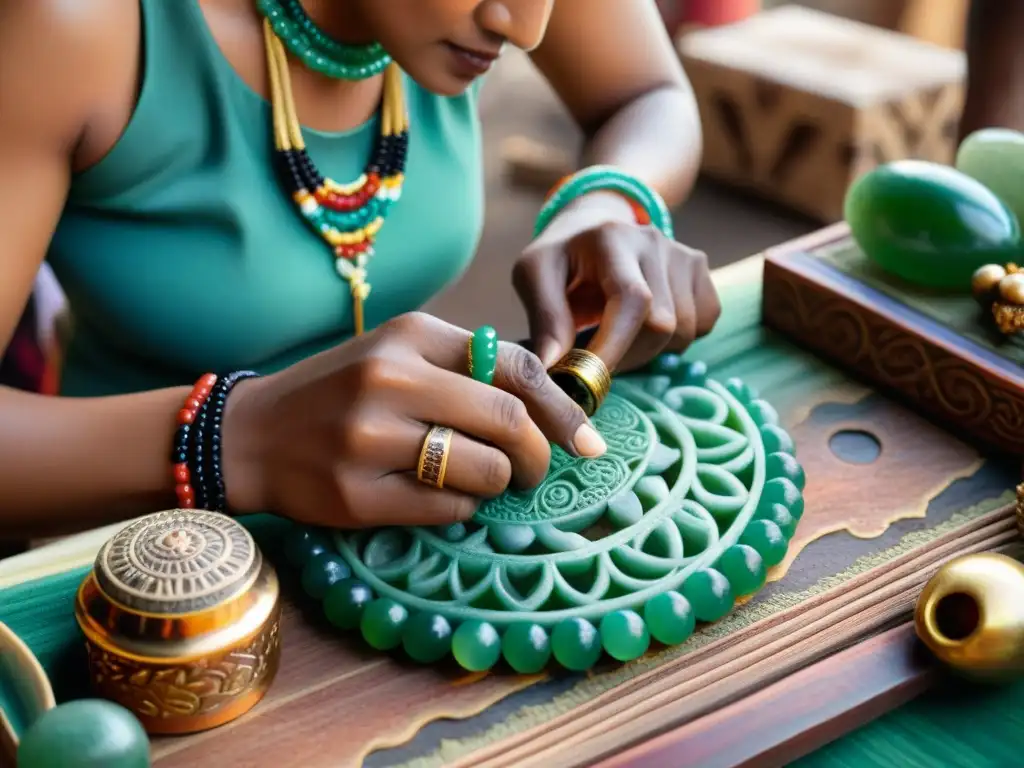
985,281
1011,288
970,615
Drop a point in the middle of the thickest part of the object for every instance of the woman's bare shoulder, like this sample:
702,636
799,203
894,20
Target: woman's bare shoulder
65,64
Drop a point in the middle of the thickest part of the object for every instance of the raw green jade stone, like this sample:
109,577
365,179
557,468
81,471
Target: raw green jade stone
995,157
930,224
88,733
698,495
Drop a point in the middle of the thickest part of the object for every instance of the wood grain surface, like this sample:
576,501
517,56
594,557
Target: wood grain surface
799,714
729,669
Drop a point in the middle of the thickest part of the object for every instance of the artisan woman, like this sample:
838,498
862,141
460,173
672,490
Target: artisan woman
225,187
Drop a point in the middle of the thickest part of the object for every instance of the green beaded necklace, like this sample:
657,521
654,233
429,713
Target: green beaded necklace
320,53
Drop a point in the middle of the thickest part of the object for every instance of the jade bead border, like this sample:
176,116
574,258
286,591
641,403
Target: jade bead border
631,601
587,652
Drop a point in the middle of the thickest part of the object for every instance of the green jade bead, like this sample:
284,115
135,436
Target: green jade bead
526,648
762,413
427,637
624,635
670,618
88,733
741,391
785,465
710,594
768,540
784,492
744,567
576,644
995,157
777,440
322,572
345,602
302,544
476,645
778,514
382,624
930,224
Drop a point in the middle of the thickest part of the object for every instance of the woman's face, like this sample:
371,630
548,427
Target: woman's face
444,45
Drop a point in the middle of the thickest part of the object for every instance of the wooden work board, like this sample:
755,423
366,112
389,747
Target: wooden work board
933,351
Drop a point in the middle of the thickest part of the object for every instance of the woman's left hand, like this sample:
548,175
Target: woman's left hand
594,265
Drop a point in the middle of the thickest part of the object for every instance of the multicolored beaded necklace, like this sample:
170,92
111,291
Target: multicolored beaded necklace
347,216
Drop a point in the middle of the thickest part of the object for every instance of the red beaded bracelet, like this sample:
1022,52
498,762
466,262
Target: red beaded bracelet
642,217
186,416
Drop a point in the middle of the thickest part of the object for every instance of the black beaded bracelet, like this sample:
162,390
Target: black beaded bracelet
205,441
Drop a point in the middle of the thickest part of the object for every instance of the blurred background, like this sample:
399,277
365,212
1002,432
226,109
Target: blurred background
797,99
908,49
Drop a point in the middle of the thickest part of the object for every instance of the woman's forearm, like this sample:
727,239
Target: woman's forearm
657,138
67,464
995,66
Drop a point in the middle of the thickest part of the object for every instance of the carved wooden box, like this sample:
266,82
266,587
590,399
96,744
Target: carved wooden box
932,351
797,103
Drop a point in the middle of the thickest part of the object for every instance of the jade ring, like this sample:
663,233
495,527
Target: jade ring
483,354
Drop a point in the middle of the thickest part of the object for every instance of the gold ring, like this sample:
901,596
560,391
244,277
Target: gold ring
584,377
434,456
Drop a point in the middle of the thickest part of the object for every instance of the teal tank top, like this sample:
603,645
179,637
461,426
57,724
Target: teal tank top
180,253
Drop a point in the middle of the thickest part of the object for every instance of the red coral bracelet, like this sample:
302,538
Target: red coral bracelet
186,417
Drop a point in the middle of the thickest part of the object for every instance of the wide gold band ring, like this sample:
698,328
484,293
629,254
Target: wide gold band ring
433,463
584,377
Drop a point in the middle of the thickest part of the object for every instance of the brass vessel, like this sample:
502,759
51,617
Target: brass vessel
971,616
181,619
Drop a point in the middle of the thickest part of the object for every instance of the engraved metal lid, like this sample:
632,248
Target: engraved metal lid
178,562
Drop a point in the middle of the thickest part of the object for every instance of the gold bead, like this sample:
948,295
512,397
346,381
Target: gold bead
971,616
985,280
1011,288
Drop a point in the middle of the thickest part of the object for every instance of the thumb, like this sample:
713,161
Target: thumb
541,284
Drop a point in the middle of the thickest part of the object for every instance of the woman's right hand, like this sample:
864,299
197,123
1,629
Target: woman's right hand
335,440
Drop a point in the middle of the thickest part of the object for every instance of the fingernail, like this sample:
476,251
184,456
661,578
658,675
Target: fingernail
547,351
588,443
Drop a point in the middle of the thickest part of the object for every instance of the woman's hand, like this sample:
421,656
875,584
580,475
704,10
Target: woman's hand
336,439
595,266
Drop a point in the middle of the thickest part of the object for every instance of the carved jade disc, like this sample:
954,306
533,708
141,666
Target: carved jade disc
698,495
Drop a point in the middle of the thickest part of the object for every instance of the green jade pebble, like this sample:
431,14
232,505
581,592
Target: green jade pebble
710,594
780,516
767,539
930,224
785,465
576,644
784,492
382,624
427,637
624,635
670,618
345,602
744,567
995,157
88,733
322,572
476,645
526,648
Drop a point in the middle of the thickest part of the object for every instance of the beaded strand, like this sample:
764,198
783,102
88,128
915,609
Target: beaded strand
317,50
209,441
347,216
182,472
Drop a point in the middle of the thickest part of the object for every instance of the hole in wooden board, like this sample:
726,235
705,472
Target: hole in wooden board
855,446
